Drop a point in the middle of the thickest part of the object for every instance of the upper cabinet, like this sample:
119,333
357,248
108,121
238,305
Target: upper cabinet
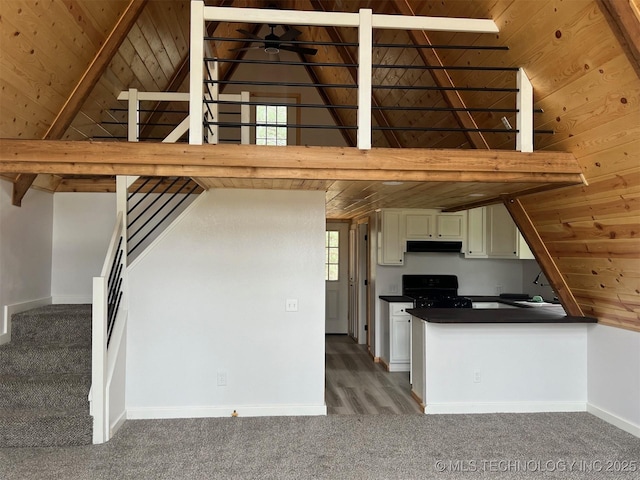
390,237
493,234
396,226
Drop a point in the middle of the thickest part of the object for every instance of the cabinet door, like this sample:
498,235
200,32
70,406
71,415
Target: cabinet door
400,338
476,233
390,250
502,238
450,227
418,226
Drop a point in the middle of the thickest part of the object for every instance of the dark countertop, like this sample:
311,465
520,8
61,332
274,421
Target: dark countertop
497,315
395,298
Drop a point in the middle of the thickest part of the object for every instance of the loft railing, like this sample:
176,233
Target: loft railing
108,290
205,83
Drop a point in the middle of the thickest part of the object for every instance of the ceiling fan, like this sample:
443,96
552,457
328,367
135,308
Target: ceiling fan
272,44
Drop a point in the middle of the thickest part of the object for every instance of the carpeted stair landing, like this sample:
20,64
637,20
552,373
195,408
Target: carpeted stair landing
45,376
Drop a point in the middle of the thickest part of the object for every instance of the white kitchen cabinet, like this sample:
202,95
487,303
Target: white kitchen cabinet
396,351
491,233
419,225
451,226
434,225
390,237
476,233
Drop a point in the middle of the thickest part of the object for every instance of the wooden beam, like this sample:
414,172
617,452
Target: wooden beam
20,187
255,161
83,89
543,257
624,18
97,67
347,57
442,79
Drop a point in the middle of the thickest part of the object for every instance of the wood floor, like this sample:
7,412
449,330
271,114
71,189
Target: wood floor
357,385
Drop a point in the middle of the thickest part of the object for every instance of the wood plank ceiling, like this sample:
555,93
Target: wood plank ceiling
581,56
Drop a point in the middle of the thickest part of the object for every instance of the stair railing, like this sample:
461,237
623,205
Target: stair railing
107,297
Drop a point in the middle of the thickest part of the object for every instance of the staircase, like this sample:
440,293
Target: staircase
45,376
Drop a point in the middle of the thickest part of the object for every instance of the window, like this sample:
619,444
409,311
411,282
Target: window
271,125
332,255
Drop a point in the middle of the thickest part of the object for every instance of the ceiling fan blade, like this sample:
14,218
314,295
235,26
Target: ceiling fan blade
243,49
247,33
306,51
290,34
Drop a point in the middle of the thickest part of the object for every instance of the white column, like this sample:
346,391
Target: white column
245,117
365,47
524,117
196,75
133,116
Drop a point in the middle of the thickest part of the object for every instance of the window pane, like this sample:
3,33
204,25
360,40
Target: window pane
333,255
261,132
281,133
333,272
261,114
282,114
334,238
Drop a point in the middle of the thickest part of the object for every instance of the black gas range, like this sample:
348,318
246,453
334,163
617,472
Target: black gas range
434,291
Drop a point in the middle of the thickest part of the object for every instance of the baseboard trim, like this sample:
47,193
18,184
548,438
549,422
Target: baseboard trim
382,362
71,299
117,424
505,407
418,400
614,420
9,310
148,413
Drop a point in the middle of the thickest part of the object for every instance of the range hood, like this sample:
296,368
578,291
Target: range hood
433,246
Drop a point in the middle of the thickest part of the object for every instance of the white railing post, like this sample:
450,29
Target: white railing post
99,360
196,89
365,48
245,118
524,117
133,116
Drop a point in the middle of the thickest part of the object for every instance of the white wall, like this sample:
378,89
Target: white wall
614,376
82,227
209,298
25,248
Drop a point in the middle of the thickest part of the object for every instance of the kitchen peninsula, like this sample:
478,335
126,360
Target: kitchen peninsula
528,359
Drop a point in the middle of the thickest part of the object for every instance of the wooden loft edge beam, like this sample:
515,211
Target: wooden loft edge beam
255,161
442,79
542,255
81,92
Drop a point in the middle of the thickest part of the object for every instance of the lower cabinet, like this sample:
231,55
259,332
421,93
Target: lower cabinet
397,337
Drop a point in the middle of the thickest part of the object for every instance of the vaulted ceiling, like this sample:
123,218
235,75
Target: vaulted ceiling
64,62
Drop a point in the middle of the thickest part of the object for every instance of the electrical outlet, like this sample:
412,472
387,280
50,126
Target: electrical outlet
222,378
291,305
477,378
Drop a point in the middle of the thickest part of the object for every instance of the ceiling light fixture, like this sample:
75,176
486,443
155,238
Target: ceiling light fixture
392,183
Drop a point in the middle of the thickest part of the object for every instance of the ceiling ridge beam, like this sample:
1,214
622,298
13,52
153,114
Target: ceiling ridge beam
442,79
83,88
347,57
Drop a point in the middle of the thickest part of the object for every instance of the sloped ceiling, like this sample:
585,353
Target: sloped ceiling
578,57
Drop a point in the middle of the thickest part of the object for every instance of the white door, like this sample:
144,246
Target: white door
337,278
